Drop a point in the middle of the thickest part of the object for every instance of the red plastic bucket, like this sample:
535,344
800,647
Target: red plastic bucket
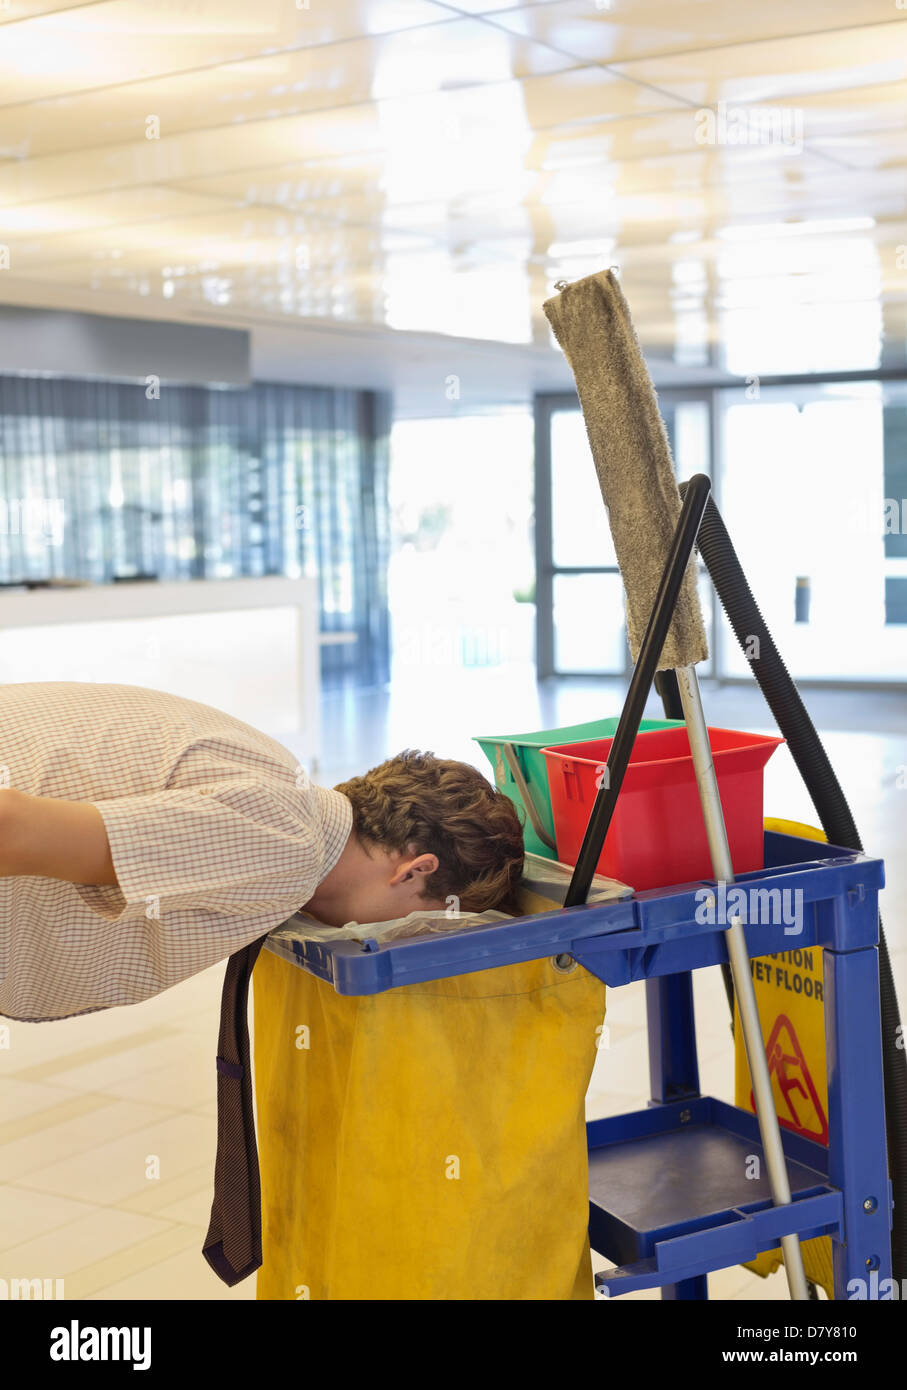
657,836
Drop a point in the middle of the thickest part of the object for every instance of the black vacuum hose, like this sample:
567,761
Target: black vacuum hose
806,748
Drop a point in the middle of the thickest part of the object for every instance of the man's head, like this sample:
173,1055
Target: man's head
425,830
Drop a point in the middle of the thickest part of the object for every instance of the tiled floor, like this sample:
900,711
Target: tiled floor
108,1134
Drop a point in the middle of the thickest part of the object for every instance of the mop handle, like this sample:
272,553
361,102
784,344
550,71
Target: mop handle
738,955
694,504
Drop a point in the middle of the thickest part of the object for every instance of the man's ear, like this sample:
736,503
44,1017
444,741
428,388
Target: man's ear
424,864
421,864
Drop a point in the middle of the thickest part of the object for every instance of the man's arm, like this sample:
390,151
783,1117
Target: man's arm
53,839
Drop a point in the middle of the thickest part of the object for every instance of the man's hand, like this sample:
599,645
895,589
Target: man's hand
49,838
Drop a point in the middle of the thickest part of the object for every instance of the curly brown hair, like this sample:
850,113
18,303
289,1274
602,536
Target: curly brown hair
415,802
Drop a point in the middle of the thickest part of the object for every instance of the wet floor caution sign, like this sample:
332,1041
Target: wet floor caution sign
796,1096
789,994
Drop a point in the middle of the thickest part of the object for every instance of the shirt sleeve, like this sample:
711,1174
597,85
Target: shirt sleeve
246,848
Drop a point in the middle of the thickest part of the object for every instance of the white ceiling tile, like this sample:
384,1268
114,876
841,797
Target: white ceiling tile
622,30
121,104
780,69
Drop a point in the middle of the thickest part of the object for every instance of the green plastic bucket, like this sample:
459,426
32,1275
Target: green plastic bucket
520,772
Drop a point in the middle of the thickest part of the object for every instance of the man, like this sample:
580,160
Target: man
144,837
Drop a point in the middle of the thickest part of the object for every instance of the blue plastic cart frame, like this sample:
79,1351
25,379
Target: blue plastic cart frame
670,1198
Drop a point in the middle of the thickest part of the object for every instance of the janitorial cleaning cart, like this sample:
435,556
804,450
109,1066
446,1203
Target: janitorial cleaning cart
675,1190
434,1143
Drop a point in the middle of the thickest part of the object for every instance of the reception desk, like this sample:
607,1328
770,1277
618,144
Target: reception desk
238,644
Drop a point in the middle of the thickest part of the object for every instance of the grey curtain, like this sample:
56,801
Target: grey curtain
108,481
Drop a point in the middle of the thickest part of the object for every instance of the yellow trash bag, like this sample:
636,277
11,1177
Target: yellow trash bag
428,1142
789,989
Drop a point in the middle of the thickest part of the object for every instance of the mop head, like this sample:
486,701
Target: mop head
632,456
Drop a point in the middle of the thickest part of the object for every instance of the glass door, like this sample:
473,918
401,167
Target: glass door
814,487
581,629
